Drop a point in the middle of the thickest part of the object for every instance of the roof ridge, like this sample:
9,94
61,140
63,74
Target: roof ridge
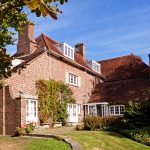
44,35
129,55
44,40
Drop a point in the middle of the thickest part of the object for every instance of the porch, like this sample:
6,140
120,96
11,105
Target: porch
102,109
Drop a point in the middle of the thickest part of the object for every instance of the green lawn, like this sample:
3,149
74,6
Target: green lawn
97,140
23,143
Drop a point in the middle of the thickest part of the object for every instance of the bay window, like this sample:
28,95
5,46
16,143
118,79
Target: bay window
116,109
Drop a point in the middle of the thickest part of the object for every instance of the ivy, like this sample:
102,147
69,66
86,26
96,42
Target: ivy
53,99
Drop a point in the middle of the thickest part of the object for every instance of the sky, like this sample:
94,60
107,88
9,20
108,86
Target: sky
108,28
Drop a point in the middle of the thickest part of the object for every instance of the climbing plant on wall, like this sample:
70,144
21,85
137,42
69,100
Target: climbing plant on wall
53,98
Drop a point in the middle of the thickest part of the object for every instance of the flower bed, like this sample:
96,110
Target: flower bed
27,128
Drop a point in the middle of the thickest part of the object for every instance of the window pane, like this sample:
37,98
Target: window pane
65,50
79,108
121,109
116,109
74,109
68,51
73,79
27,108
112,110
92,110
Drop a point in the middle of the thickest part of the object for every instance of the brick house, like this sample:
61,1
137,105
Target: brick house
126,78
93,83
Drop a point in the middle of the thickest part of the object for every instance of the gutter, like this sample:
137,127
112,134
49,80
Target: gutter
73,63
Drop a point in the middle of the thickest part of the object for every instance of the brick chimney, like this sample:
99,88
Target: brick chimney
26,42
80,48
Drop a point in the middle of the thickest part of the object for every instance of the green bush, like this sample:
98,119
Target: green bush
141,135
100,123
20,131
31,126
136,115
24,129
28,129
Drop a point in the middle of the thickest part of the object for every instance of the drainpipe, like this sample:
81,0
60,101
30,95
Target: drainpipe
4,98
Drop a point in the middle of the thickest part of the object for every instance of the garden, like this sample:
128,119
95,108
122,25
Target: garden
130,131
26,143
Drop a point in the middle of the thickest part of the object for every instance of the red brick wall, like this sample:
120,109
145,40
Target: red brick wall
46,67
11,115
1,111
26,42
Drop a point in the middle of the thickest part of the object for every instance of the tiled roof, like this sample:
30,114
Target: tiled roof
45,41
127,78
109,65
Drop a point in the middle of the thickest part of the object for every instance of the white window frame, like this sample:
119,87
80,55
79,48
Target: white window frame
31,113
68,51
96,66
73,79
79,109
114,108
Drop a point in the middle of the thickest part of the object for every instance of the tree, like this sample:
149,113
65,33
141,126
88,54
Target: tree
13,16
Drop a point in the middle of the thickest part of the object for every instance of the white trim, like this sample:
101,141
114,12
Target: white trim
114,109
73,79
32,111
96,103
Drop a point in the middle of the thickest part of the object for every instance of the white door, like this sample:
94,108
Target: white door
73,113
31,111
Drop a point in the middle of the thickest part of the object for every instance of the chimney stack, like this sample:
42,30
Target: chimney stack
80,48
26,42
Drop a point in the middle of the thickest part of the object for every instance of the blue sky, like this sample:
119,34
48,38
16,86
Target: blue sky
109,28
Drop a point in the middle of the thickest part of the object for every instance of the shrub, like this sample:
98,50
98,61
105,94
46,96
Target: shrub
136,115
141,135
79,127
20,131
28,129
31,126
99,123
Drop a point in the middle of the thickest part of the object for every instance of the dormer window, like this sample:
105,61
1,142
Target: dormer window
67,50
95,66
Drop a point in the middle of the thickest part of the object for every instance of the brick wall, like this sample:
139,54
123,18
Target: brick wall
48,67
26,42
1,111
10,116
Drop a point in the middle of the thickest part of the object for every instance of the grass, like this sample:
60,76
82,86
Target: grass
23,143
97,140
102,140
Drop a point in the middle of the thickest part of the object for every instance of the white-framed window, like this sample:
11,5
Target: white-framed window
31,108
94,65
92,110
72,79
116,109
67,50
79,109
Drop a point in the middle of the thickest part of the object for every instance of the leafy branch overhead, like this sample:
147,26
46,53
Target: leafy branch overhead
13,16
48,7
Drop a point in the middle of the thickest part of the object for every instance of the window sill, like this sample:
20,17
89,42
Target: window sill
73,85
